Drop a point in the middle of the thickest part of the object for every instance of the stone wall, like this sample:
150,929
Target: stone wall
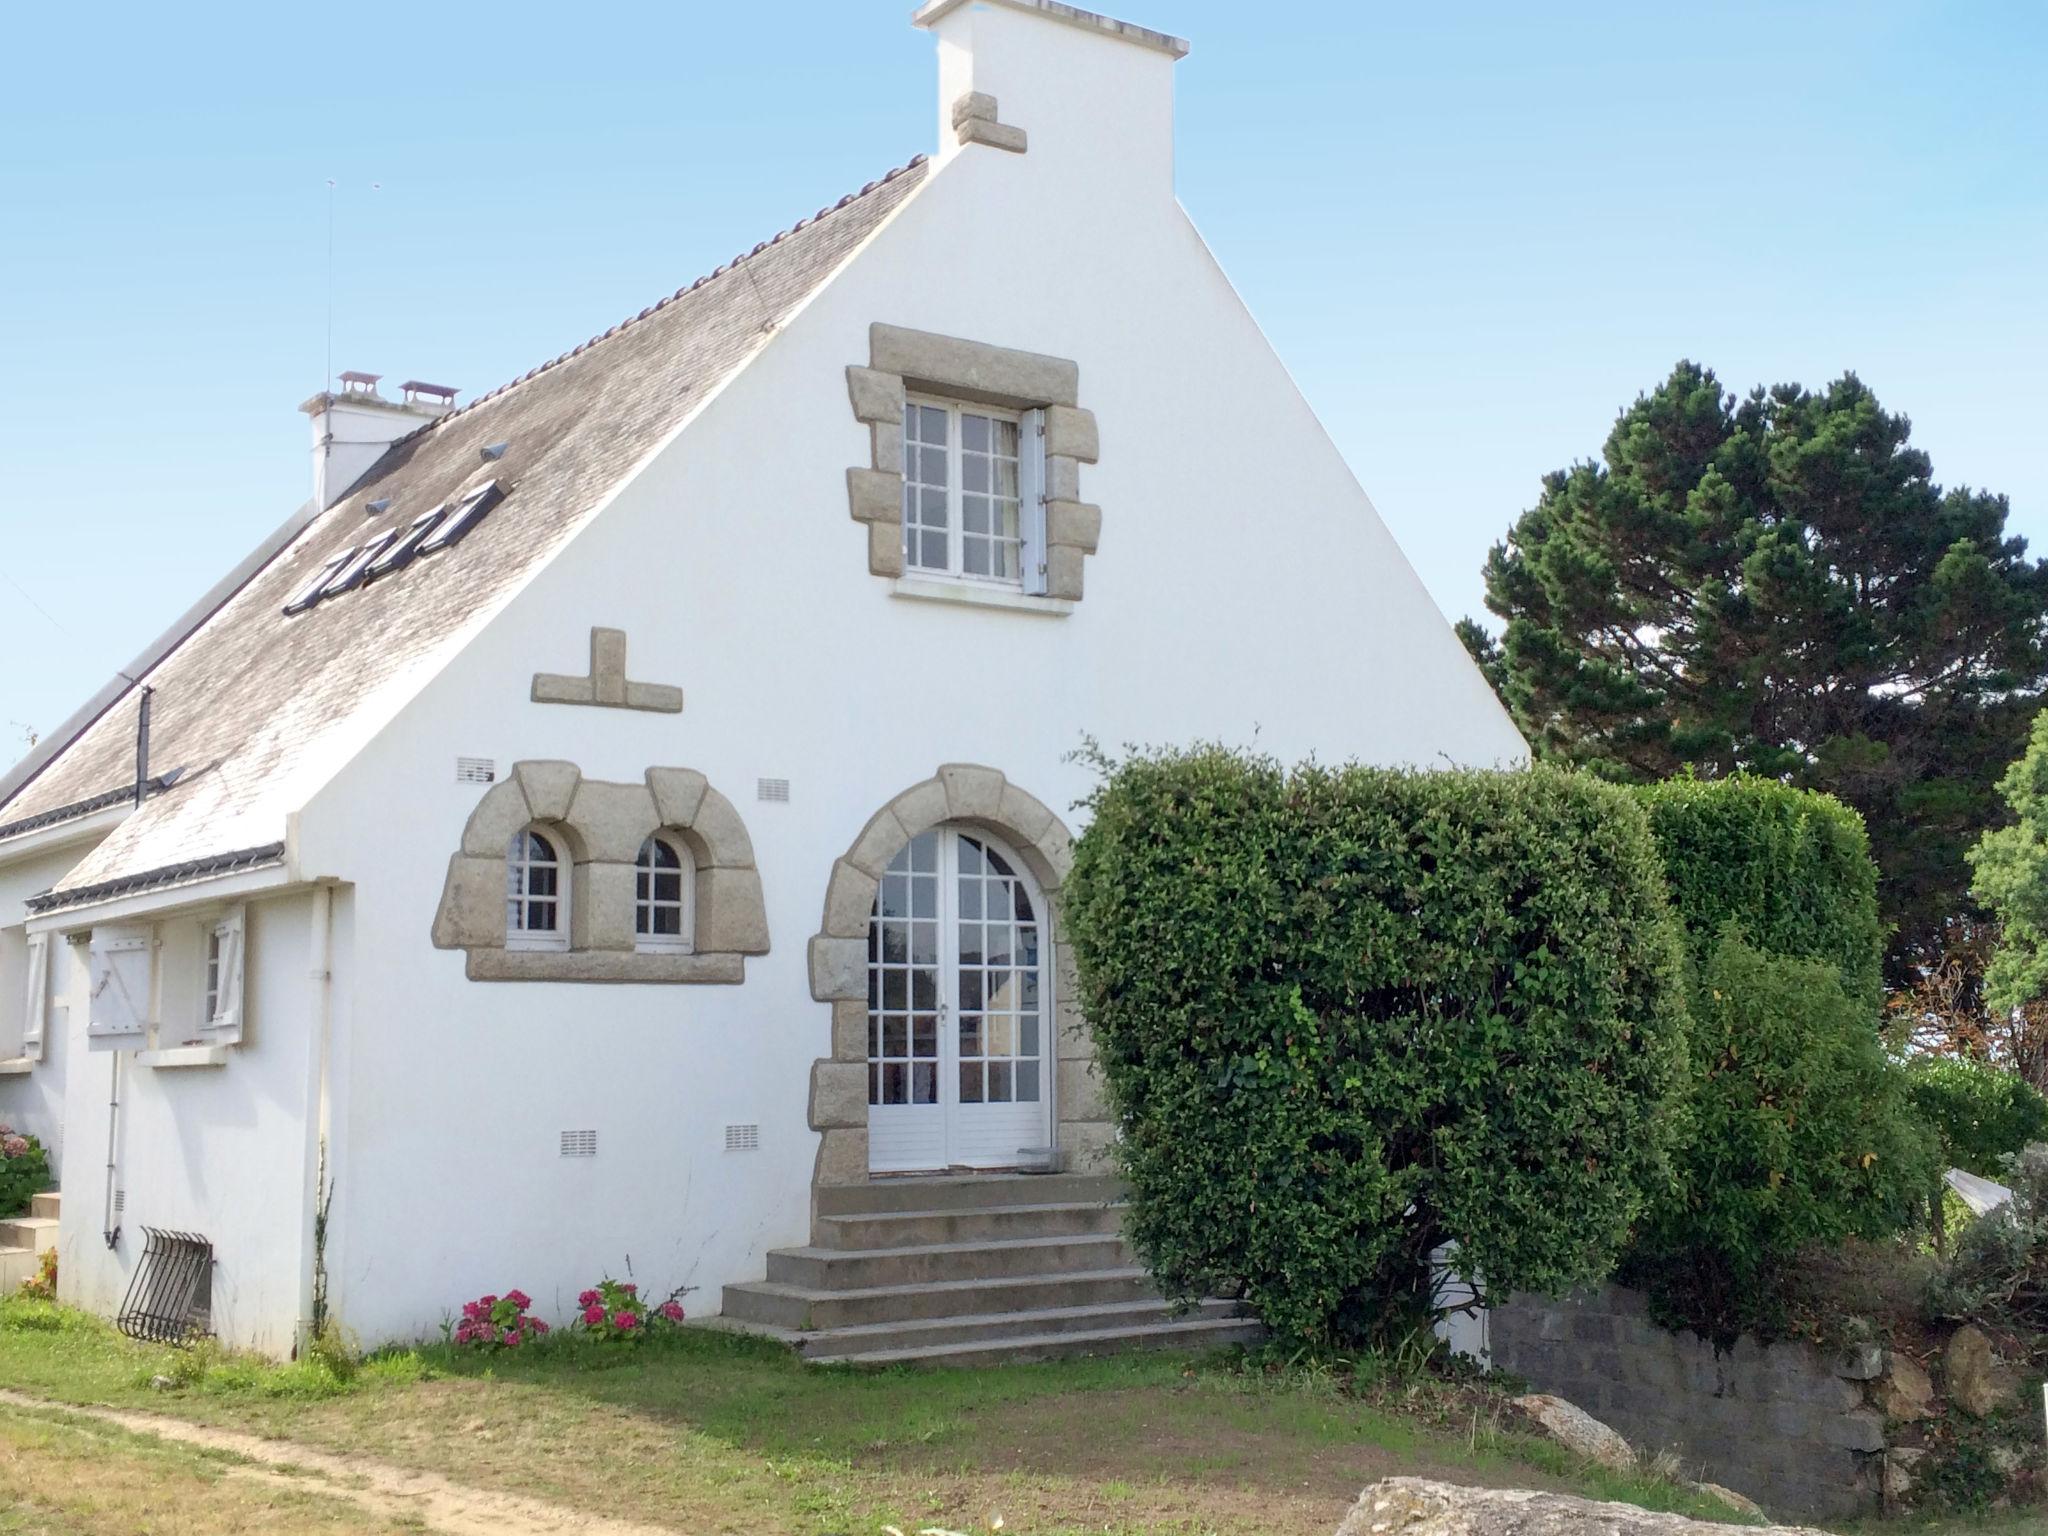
1793,1428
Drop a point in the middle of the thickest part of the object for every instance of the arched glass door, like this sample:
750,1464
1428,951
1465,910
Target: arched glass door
957,1008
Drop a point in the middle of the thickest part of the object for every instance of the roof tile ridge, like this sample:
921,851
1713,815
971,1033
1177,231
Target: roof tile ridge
660,304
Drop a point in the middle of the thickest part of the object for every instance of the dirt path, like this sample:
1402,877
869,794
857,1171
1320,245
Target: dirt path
374,1486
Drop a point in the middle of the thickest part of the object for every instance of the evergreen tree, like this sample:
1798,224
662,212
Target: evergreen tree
1776,584
2011,868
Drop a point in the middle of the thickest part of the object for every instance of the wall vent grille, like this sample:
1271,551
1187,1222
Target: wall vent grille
579,1143
120,1201
773,789
476,770
743,1138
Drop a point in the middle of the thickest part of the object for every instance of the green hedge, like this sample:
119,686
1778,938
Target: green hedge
1344,1016
1800,1131
1790,867
1981,1114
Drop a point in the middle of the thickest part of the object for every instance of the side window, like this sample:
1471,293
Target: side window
969,498
536,900
223,966
664,892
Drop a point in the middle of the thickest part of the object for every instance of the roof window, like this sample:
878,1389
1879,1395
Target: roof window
392,550
464,515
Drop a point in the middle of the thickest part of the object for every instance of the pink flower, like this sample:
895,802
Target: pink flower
629,1287
487,1302
470,1310
511,1336
588,1299
519,1299
624,1319
14,1146
593,1315
672,1311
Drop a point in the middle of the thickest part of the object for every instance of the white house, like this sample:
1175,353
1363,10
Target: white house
575,842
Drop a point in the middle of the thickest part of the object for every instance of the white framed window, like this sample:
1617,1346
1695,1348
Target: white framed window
664,882
222,970
536,902
973,493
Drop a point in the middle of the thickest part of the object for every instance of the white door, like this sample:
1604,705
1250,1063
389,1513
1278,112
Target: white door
957,1008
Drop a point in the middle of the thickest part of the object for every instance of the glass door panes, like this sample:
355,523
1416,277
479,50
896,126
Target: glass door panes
998,980
903,979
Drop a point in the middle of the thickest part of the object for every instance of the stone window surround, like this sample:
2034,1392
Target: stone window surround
962,794
900,360
606,685
600,828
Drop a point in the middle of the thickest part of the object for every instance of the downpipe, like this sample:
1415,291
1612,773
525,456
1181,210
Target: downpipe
319,1176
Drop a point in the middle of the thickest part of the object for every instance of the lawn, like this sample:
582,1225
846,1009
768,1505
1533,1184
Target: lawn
713,1432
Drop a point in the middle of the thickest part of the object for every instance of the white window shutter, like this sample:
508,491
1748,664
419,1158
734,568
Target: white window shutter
226,1022
38,997
1031,498
122,960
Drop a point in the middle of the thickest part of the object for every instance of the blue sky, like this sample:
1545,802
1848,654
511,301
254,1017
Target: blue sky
1474,232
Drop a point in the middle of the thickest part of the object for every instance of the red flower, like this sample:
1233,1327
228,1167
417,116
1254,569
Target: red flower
519,1299
588,1299
672,1311
593,1315
624,1319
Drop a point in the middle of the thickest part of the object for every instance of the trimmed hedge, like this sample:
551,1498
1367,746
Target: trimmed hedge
1981,1114
1800,1131
1790,867
1346,1016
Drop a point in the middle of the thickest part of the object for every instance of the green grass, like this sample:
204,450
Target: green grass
711,1431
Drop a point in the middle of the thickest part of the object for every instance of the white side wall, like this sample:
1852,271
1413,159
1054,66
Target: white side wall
1245,592
220,1151
32,1101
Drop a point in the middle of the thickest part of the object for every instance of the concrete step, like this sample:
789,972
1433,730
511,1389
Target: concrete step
836,1270
970,1191
44,1204
1191,1334
775,1304
905,1229
16,1265
975,1328
35,1233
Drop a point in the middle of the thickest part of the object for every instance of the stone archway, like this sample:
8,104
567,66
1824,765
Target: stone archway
965,794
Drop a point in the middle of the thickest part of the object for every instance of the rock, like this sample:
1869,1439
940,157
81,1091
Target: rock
1413,1506
1578,1431
1907,1392
1976,1383
1860,1362
1900,1463
161,1384
1742,1504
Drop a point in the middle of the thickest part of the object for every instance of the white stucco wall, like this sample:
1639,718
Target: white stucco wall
1245,591
33,1100
220,1151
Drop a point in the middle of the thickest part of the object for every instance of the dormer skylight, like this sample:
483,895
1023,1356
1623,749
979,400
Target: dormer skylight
392,550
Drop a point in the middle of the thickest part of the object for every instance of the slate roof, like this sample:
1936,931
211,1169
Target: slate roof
252,702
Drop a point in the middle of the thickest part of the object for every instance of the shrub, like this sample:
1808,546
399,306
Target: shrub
42,1285
496,1322
1998,1273
1790,867
24,1171
613,1310
1346,1016
1800,1134
1980,1114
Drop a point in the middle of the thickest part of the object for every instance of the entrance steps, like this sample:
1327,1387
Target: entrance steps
971,1270
23,1239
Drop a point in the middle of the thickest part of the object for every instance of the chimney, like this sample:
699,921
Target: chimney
1047,80
352,429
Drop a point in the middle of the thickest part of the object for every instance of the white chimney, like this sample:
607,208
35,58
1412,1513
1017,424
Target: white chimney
1043,79
352,429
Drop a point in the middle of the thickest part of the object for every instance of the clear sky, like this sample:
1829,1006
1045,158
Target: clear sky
1473,231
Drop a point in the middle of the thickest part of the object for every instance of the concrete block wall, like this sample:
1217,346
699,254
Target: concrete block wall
1792,1427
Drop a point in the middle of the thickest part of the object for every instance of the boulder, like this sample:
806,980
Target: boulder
1578,1431
1413,1506
1741,1503
1907,1392
1900,1463
1976,1383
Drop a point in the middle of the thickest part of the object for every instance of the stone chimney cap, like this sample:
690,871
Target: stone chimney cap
363,380
932,10
442,392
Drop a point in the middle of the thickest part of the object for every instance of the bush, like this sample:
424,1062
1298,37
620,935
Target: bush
1791,868
613,1310
1800,1134
1998,1273
1344,1017
24,1171
1981,1114
496,1322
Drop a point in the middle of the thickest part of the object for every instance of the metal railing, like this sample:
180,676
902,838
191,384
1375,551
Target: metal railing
170,1298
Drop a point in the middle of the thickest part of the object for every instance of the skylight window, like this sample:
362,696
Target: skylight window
401,554
465,515
309,594
356,571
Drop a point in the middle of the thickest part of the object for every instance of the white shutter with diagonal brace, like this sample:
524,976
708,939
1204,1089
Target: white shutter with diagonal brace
1031,498
38,997
227,944
123,959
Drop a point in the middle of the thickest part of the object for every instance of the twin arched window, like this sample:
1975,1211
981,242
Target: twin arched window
537,899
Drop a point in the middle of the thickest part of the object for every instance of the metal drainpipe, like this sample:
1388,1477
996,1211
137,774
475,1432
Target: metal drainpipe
321,974
110,1229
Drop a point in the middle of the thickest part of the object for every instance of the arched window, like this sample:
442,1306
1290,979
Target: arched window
664,881
536,905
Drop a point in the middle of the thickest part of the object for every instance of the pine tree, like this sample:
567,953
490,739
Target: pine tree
1777,584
